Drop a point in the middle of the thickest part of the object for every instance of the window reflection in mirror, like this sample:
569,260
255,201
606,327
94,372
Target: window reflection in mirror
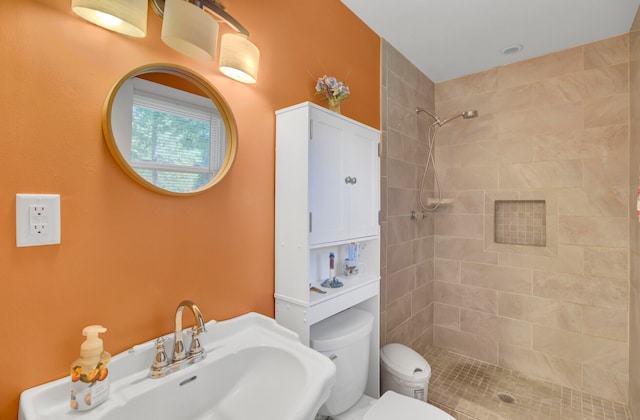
169,132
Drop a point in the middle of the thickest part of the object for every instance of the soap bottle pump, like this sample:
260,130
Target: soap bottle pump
89,373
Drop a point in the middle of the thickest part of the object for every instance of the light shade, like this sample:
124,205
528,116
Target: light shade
239,58
128,17
189,30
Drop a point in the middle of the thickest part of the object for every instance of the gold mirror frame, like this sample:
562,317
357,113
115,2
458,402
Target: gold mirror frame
207,89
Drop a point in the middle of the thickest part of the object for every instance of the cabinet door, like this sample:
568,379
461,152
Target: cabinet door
362,165
327,206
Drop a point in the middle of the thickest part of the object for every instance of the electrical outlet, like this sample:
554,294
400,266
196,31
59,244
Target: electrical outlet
37,219
39,229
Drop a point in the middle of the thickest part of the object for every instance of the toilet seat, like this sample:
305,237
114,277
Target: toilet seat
395,406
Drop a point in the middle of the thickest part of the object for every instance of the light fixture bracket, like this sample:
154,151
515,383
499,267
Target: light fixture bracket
212,6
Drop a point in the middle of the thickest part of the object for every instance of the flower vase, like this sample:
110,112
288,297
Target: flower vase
334,105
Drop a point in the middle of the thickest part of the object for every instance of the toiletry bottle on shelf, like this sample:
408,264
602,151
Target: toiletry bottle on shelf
89,373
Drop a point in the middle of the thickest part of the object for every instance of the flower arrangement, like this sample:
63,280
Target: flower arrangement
333,90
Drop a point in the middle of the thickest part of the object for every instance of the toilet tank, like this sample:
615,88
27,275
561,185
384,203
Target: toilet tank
344,338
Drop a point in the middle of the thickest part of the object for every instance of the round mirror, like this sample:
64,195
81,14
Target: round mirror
169,129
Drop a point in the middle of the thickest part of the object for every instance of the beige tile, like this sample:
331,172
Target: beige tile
497,277
467,85
422,249
598,201
462,225
472,345
595,142
399,229
569,259
544,312
401,90
464,202
605,262
399,146
424,272
560,343
609,110
607,52
481,129
400,201
400,284
581,348
540,365
421,321
535,175
610,170
446,316
401,174
464,249
593,231
401,118
466,296
607,323
447,270
399,256
575,87
603,382
421,297
503,330
576,288
490,102
423,341
634,356
399,65
475,178
550,65
542,120
398,312
609,354
401,334
422,227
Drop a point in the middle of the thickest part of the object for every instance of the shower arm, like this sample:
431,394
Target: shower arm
431,114
449,118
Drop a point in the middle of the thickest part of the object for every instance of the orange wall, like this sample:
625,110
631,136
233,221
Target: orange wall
128,256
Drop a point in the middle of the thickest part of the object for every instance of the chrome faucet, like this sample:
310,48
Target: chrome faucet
162,366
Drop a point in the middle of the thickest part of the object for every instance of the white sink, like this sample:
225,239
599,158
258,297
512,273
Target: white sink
254,369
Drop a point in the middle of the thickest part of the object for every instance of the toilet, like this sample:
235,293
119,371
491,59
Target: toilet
344,338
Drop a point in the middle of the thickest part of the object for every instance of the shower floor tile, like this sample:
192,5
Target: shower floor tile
470,389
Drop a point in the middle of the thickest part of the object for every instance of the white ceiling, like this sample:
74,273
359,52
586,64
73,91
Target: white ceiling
446,39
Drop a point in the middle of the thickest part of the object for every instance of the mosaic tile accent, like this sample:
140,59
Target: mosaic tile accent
520,222
468,389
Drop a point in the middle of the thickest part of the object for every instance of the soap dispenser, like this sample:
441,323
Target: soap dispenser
89,373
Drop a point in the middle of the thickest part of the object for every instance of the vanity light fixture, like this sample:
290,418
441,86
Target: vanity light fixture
128,17
189,27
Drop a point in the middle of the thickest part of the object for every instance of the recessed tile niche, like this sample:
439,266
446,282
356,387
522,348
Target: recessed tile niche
520,222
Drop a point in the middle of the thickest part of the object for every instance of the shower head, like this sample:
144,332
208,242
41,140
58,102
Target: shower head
472,113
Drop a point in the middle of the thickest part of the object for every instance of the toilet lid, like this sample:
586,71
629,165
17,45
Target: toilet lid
395,406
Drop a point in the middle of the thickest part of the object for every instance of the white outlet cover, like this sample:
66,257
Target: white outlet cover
37,219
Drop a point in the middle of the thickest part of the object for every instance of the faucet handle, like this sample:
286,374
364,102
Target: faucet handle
161,359
196,346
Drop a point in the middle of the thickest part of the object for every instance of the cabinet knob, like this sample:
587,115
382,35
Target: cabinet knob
348,180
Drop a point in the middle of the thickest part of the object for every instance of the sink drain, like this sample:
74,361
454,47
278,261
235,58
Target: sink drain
506,398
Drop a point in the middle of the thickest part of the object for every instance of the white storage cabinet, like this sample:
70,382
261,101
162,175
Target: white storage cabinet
327,196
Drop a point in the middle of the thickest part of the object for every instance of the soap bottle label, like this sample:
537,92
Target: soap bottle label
88,389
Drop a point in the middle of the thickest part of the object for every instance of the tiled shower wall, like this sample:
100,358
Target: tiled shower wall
407,245
634,225
553,128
